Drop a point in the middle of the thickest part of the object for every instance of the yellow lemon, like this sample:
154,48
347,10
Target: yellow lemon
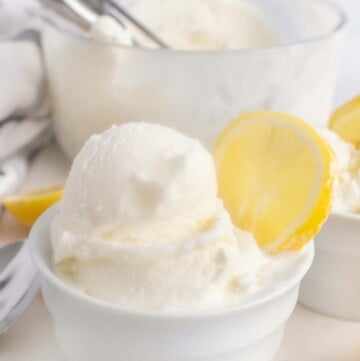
275,177
346,121
28,206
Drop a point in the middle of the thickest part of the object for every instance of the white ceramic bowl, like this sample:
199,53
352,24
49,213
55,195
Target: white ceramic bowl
91,330
332,285
94,85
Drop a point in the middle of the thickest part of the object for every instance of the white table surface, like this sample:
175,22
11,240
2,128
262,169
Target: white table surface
309,336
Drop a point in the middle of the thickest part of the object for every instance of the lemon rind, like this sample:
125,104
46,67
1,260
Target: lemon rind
314,217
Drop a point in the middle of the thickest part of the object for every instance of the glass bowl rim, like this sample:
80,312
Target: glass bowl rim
340,25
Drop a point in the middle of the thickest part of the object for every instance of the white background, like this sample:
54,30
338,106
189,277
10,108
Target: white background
349,69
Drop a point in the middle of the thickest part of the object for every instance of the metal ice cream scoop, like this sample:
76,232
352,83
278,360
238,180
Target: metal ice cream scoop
19,282
86,12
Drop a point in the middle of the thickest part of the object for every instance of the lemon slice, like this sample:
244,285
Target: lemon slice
27,207
346,121
275,178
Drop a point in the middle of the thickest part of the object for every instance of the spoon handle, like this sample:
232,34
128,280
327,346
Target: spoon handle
19,283
73,10
81,10
137,24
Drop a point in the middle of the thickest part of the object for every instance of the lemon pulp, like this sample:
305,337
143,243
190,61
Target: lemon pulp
275,178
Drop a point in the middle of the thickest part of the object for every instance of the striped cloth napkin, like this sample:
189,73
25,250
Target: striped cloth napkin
24,124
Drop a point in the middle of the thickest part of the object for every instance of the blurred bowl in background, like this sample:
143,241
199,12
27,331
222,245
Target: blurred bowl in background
94,84
333,282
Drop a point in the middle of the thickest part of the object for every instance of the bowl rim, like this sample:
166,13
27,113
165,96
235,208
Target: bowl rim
47,274
341,24
345,215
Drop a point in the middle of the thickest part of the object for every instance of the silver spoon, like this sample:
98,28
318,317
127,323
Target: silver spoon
19,283
87,12
115,9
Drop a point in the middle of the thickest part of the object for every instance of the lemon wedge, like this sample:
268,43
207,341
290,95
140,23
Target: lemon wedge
275,178
345,121
28,206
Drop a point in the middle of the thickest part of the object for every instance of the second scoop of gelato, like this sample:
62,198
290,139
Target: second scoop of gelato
141,226
347,190
194,24
207,24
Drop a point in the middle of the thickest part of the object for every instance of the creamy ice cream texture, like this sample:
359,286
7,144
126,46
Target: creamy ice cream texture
141,226
107,29
347,190
207,24
195,24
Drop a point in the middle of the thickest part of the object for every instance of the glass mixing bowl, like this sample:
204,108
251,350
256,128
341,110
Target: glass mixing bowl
94,84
